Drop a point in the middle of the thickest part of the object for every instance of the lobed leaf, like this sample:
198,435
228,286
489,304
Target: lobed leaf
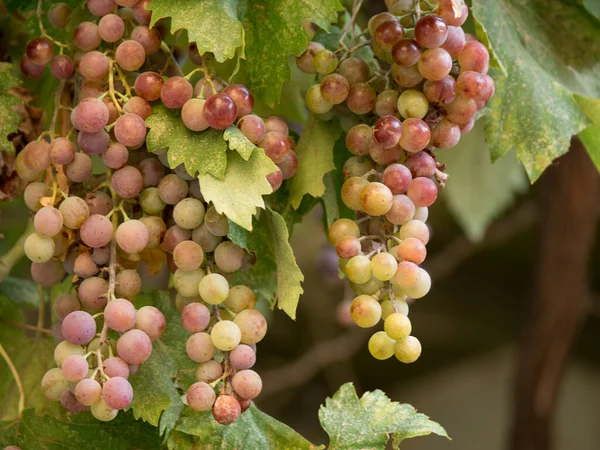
9,117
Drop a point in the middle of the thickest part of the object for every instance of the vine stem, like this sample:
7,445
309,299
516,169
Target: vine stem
167,51
57,106
16,376
26,326
111,87
43,31
41,310
14,255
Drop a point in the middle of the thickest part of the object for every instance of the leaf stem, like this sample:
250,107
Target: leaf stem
171,58
16,376
111,87
26,326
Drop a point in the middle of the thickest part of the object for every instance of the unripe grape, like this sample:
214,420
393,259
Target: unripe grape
406,77
204,88
242,357
446,10
210,371
384,266
407,350
376,199
361,98
189,213
200,347
48,221
65,304
132,236
225,335
54,384
104,413
305,61
200,397
381,346
412,103
389,307
39,248
247,384
79,327
325,61
205,238
172,189
213,288
226,409
252,325
229,257
365,311
358,139
187,282
341,228
66,349
421,214
357,166
188,255
216,223
240,298
421,285
397,326
192,115
315,100
96,231
359,269
406,275
386,103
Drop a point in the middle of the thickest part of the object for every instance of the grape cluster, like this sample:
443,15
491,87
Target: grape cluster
422,93
102,204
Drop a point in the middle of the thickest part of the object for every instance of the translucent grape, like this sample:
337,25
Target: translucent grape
361,98
62,67
119,314
213,288
455,42
421,214
130,55
247,384
406,275
101,411
359,269
376,199
407,350
421,285
252,325
242,357
387,131
388,33
240,298
134,347
242,97
406,52
195,317
348,247
211,370
421,164
365,311
91,115
79,327
384,266
88,391
127,182
305,61
58,15
54,384
397,178
94,66
220,111
225,335
39,248
381,346
431,31
378,19
412,103
341,228
187,282
325,62
148,85
289,165
474,57
416,229
33,193
75,368
253,127
472,85
397,326
92,292
461,110
86,36
315,100
435,64
389,307
29,69
445,10
115,367
40,51
359,138
189,213
132,236
440,92
188,255
175,92
48,221
226,409
192,115
172,189
406,77
413,250
334,88
65,349
138,106
200,397
200,347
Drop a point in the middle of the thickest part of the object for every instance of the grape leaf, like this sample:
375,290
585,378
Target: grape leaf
238,142
590,137
368,422
79,431
212,24
22,292
240,192
156,399
273,32
270,242
204,152
252,430
315,159
477,190
10,118
332,200
533,110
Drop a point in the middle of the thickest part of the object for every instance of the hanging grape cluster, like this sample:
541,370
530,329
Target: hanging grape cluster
101,202
423,92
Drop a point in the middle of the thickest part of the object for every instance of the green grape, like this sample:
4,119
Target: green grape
252,324
213,288
325,62
226,335
341,228
397,326
189,213
357,166
387,307
412,103
186,282
399,292
376,199
371,287
384,266
65,349
407,350
421,286
103,412
150,201
39,248
351,190
365,311
315,101
359,269
54,384
381,346
239,298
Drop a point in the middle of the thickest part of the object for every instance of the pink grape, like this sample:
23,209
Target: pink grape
148,85
151,321
220,111
127,182
130,55
119,314
421,164
175,92
117,393
200,396
92,292
79,327
62,67
134,347
93,143
242,357
132,236
431,31
91,115
253,127
415,136
422,191
148,38
247,384
62,151
94,66
75,368
138,106
397,177
111,28
96,231
115,367
387,131
88,391
115,156
242,97
130,130
48,221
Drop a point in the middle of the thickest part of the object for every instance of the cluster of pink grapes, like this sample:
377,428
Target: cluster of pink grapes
430,81
103,203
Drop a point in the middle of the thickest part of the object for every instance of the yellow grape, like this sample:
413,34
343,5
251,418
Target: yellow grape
365,311
381,346
359,269
397,326
407,350
384,266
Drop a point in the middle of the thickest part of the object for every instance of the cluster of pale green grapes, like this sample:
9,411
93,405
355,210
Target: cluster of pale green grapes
422,94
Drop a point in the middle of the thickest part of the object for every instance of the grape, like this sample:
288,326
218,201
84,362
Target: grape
388,33
96,231
174,236
416,229
274,123
92,144
195,317
305,61
361,98
382,155
466,127
387,132
182,173
421,214
117,393
229,257
101,411
315,100
152,171
111,28
206,87
84,266
387,103
62,67
412,250
406,52
175,92
220,111
130,55
79,327
90,89
115,367
58,15
92,292
365,311
407,350
445,10
23,172
187,282
440,92
242,357
200,397
210,371
420,286
54,384
421,164
75,368
192,115
289,165
325,62
252,325
240,298
115,156
200,347
384,266
445,134
138,106
86,36
348,247
378,19
64,350
359,269
130,130
61,243
65,304
188,255
101,255
397,326
69,403
39,248
359,138
472,85
48,273
33,193
101,7
140,12
29,69
94,66
357,166
397,178
406,77
216,223
412,103
406,275
132,236
402,210
252,127
381,346
461,110
128,283
247,384
88,391
213,288
119,314
148,85
435,64
431,31
62,151
148,38
416,135
341,228
39,51
127,182
98,203
134,346
455,43
91,115
354,70
48,221
334,88
376,199
172,189
36,156
400,7
275,145
474,57
226,409
189,213
491,88
156,230
225,335
388,307
241,96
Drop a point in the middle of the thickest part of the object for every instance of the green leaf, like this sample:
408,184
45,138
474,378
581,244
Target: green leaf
533,110
9,117
156,399
239,142
273,32
332,200
367,423
204,152
21,291
315,159
590,137
212,24
240,193
477,190
270,242
252,430
79,431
